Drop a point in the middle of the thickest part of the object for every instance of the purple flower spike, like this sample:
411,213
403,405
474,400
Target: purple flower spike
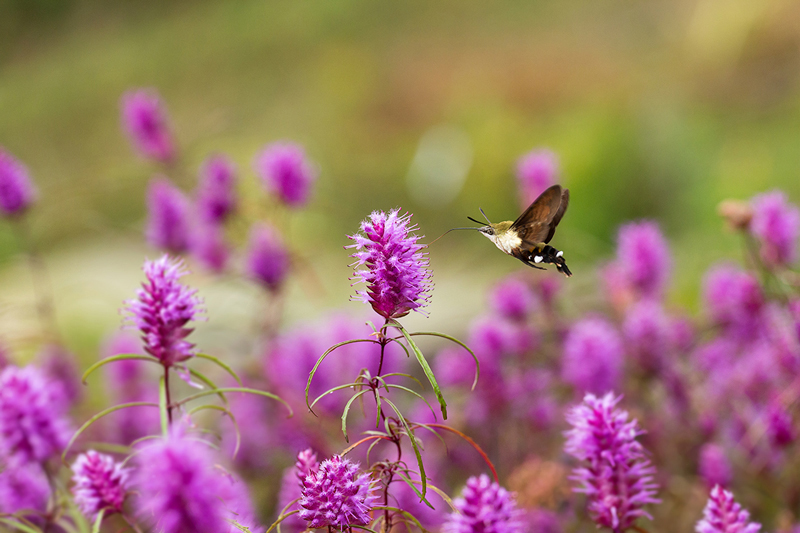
209,247
643,258
723,515
17,192
162,309
615,474
216,194
145,120
397,276
593,356
512,298
33,426
649,333
714,467
291,485
734,299
484,507
23,486
286,173
267,257
168,216
100,483
336,495
306,464
536,171
776,223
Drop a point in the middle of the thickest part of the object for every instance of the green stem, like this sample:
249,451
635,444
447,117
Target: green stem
166,391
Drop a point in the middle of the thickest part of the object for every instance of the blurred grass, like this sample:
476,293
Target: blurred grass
657,110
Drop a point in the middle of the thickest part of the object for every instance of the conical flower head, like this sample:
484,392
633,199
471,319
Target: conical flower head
145,120
615,474
16,189
99,483
723,515
336,495
484,507
286,172
536,171
168,211
162,309
267,259
396,273
776,224
216,192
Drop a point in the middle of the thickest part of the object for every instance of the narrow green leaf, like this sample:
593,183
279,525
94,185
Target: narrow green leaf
453,339
409,376
120,357
226,411
365,528
163,408
222,365
329,391
405,514
208,382
281,519
322,358
98,521
403,346
415,393
408,482
18,525
426,368
414,445
98,416
347,410
237,389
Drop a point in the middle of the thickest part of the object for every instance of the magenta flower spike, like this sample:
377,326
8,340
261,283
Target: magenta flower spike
291,485
286,172
734,299
33,425
100,483
145,120
714,467
536,171
17,191
162,309
396,274
512,298
593,356
643,258
776,224
168,216
615,474
484,507
648,333
723,515
267,259
336,495
216,192
209,247
23,486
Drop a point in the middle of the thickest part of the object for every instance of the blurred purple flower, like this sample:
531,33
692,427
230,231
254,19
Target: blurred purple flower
723,515
452,366
162,309
17,191
593,356
267,257
168,222
648,332
714,467
209,247
33,425
216,191
145,120
286,172
543,521
100,483
512,298
61,367
493,339
396,274
780,426
23,486
536,171
643,258
258,437
337,495
615,474
776,223
407,500
484,507
291,484
734,299
237,504
179,486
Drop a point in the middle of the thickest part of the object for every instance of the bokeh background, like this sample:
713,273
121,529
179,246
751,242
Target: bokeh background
656,109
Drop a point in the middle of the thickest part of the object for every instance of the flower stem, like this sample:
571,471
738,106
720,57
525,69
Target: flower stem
166,391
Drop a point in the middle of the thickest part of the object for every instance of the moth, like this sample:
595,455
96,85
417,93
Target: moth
527,238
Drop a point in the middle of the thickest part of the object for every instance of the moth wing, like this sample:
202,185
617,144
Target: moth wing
559,215
535,225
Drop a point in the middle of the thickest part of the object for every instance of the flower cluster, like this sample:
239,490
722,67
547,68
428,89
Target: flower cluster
145,120
336,495
286,172
536,171
100,484
723,515
484,507
17,192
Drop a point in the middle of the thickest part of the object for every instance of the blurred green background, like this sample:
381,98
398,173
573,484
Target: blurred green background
656,109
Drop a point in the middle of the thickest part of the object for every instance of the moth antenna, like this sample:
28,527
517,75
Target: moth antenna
484,216
445,233
476,221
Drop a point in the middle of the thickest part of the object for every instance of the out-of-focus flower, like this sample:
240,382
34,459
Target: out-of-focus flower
543,521
714,467
267,257
776,224
780,426
536,171
61,367
734,299
216,192
209,247
238,505
100,483
648,333
723,515
286,172
484,507
162,309
336,495
180,489
168,224
593,356
407,500
643,258
145,120
23,486
33,426
615,474
291,483
17,191
396,274
512,298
